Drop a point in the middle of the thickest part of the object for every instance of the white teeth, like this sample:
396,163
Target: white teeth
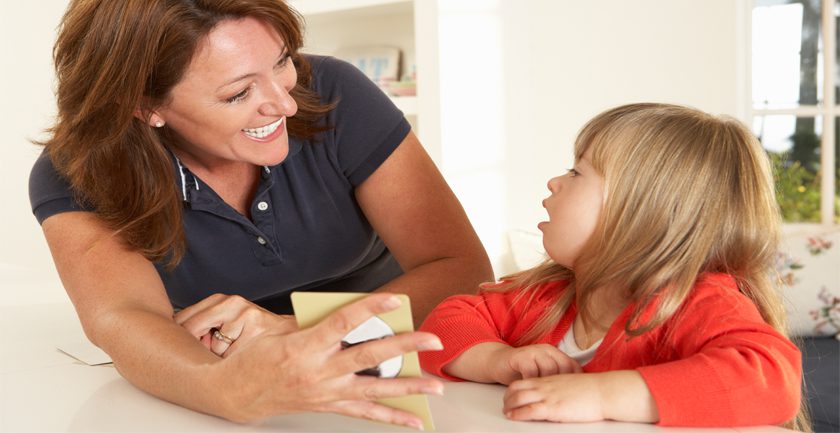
263,131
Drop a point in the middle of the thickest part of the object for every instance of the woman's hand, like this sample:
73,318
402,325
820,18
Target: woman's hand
306,370
539,360
620,395
236,318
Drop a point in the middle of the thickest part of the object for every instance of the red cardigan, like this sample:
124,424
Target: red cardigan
723,365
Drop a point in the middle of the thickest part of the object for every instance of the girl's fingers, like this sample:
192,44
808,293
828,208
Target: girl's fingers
547,366
376,412
521,385
565,364
528,369
515,399
535,412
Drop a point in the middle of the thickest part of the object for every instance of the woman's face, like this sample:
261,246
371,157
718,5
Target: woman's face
573,207
233,101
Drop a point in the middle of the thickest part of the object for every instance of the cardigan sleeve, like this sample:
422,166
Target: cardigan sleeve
463,321
733,368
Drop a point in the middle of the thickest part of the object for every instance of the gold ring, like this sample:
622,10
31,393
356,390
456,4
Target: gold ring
217,334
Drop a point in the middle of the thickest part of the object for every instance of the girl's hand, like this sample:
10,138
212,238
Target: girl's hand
559,398
234,317
307,370
538,360
620,395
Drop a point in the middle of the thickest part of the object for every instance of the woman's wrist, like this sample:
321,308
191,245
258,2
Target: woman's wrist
222,392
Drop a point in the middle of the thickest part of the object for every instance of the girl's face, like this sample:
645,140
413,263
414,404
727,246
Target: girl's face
233,101
573,209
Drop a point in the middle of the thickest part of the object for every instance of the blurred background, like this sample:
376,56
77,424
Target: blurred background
497,90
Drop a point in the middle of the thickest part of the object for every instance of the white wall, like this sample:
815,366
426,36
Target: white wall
27,33
518,78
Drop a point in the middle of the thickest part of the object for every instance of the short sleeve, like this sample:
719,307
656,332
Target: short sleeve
49,193
366,125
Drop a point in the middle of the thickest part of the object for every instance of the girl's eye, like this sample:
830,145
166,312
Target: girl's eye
238,97
572,172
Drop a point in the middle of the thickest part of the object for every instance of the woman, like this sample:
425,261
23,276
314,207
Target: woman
199,161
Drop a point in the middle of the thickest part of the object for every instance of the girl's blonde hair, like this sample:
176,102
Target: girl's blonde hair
685,193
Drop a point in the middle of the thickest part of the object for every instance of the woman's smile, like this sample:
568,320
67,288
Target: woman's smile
267,132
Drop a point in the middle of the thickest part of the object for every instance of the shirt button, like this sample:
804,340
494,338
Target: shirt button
262,205
261,240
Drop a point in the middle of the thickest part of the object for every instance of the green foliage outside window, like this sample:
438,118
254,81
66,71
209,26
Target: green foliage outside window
798,190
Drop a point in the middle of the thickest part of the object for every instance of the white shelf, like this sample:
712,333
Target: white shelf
334,24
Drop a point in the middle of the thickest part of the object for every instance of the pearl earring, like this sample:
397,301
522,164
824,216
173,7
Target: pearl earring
158,124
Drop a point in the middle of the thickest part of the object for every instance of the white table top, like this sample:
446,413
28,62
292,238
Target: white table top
44,390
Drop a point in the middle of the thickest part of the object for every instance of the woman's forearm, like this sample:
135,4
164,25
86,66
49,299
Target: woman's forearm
429,284
161,358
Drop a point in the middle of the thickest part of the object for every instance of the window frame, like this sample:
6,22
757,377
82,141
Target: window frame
828,111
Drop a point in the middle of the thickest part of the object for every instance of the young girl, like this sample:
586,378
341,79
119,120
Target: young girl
658,301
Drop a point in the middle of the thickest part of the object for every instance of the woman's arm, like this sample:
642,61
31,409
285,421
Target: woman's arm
124,310
411,207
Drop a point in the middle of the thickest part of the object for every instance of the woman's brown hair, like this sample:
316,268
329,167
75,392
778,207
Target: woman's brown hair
117,58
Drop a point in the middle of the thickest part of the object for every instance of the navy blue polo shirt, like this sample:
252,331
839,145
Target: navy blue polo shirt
306,232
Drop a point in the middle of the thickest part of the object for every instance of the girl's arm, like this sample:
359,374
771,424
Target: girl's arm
124,310
478,329
620,395
717,364
493,362
730,368
411,207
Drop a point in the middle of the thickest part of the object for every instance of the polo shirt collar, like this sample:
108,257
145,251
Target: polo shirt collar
187,181
184,178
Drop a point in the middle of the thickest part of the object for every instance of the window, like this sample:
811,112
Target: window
794,111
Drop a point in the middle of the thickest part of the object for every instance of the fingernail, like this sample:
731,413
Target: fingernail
417,425
392,302
433,344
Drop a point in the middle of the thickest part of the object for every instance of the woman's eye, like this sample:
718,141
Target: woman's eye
238,97
572,172
283,61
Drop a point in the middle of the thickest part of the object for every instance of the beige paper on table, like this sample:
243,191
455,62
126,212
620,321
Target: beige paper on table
80,348
312,307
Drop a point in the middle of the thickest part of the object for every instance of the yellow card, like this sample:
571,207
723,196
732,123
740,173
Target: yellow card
312,307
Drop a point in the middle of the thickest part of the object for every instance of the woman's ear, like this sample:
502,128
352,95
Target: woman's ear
151,118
